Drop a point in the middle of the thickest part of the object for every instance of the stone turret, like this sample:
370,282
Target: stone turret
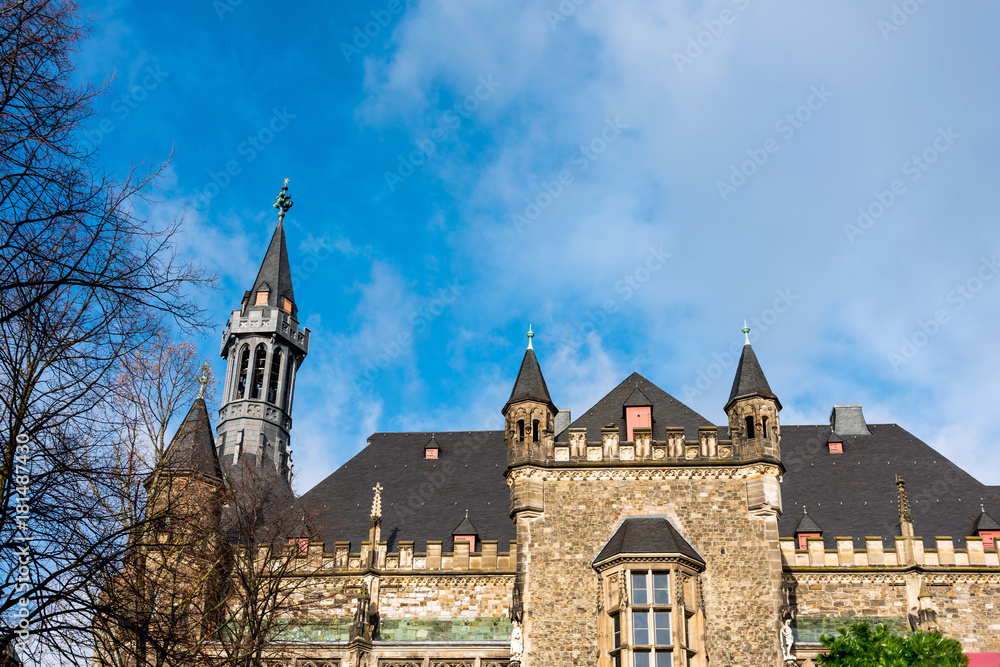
263,347
529,413
753,410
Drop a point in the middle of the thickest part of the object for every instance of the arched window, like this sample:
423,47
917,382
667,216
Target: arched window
750,431
520,430
536,434
259,359
763,427
286,391
272,383
241,382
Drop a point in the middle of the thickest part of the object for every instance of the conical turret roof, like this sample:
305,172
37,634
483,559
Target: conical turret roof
530,384
750,380
465,528
193,448
275,275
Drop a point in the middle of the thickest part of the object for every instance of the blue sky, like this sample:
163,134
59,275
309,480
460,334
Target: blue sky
631,178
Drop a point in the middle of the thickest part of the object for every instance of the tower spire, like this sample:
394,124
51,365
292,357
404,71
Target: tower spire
530,335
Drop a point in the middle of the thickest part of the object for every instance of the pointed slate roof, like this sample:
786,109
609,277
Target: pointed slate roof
807,525
465,528
750,380
985,522
193,448
667,411
530,384
275,274
647,535
637,399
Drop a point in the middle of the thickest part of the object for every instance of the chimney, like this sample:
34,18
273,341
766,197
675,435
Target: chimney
848,420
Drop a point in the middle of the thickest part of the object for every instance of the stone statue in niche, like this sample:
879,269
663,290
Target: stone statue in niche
516,644
787,641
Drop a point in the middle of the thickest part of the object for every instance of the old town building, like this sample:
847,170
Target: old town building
638,533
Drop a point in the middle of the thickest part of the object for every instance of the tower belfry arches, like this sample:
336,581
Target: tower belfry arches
264,346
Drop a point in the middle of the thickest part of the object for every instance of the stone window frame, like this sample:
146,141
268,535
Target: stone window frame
686,615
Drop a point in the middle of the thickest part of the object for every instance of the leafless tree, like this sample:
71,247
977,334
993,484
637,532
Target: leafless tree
85,283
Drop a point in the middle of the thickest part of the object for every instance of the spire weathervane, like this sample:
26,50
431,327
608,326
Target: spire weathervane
746,332
283,202
530,335
203,380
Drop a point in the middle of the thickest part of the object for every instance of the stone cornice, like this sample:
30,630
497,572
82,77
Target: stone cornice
897,576
605,473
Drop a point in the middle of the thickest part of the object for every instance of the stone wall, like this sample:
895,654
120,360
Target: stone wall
582,509
966,603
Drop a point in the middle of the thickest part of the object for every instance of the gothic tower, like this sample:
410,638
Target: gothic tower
263,347
529,413
753,409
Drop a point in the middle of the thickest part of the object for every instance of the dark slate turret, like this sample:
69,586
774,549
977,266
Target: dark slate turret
750,380
530,384
263,346
753,409
274,277
192,451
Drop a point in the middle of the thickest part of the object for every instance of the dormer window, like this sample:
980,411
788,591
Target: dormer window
638,413
262,298
286,305
431,453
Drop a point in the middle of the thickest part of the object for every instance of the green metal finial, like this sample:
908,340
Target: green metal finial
283,202
746,332
203,380
530,335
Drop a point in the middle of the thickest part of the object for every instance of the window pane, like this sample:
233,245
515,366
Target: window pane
662,620
640,628
661,588
687,630
640,592
617,660
642,660
664,660
618,630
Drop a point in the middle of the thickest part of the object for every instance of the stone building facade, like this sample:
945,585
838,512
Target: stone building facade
640,534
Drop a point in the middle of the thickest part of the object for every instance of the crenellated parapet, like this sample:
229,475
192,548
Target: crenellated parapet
342,559
944,554
667,447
